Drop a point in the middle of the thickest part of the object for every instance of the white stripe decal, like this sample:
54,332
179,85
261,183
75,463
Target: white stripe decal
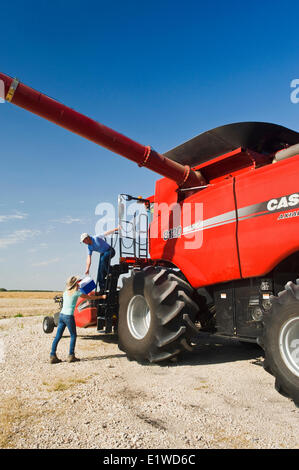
243,213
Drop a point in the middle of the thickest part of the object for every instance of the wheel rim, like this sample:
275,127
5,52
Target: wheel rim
138,317
289,344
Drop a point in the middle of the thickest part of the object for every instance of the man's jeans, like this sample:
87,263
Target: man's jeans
69,322
104,267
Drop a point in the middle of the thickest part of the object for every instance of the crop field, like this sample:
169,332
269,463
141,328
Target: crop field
24,304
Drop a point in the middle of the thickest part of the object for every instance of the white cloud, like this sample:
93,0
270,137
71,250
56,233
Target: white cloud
39,247
68,220
18,215
46,263
18,236
49,229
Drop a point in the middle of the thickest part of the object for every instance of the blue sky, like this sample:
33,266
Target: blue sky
159,72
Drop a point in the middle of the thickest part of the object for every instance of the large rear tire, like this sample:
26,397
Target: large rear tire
281,341
152,303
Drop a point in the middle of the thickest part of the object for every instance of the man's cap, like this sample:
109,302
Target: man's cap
72,281
83,236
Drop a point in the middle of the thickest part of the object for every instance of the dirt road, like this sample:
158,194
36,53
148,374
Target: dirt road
217,397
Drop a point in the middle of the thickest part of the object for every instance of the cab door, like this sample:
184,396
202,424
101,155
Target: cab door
213,258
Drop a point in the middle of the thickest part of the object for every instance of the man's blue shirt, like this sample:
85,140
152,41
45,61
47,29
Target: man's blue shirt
98,244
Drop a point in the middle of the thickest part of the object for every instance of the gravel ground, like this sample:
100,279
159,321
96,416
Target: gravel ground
217,397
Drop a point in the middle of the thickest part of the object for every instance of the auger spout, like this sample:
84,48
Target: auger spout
40,104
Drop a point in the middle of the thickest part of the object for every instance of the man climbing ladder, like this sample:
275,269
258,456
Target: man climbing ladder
99,244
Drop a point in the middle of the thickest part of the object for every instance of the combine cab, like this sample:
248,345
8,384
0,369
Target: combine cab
221,256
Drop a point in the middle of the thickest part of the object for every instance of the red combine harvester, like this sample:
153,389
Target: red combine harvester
222,256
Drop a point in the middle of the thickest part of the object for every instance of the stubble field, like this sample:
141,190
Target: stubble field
17,304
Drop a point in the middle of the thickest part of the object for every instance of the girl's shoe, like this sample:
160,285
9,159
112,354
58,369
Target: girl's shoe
54,359
72,358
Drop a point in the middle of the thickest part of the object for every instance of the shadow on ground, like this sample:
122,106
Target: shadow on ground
220,350
109,338
102,358
207,350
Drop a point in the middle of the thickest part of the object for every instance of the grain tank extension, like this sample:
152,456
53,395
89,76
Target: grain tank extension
223,259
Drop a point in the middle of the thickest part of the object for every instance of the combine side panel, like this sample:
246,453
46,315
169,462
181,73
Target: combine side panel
268,216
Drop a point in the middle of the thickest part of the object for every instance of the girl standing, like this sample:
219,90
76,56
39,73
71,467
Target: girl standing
66,318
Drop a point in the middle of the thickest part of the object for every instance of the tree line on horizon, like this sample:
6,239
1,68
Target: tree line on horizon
2,289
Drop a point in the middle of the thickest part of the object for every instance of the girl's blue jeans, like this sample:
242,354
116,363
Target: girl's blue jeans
69,322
